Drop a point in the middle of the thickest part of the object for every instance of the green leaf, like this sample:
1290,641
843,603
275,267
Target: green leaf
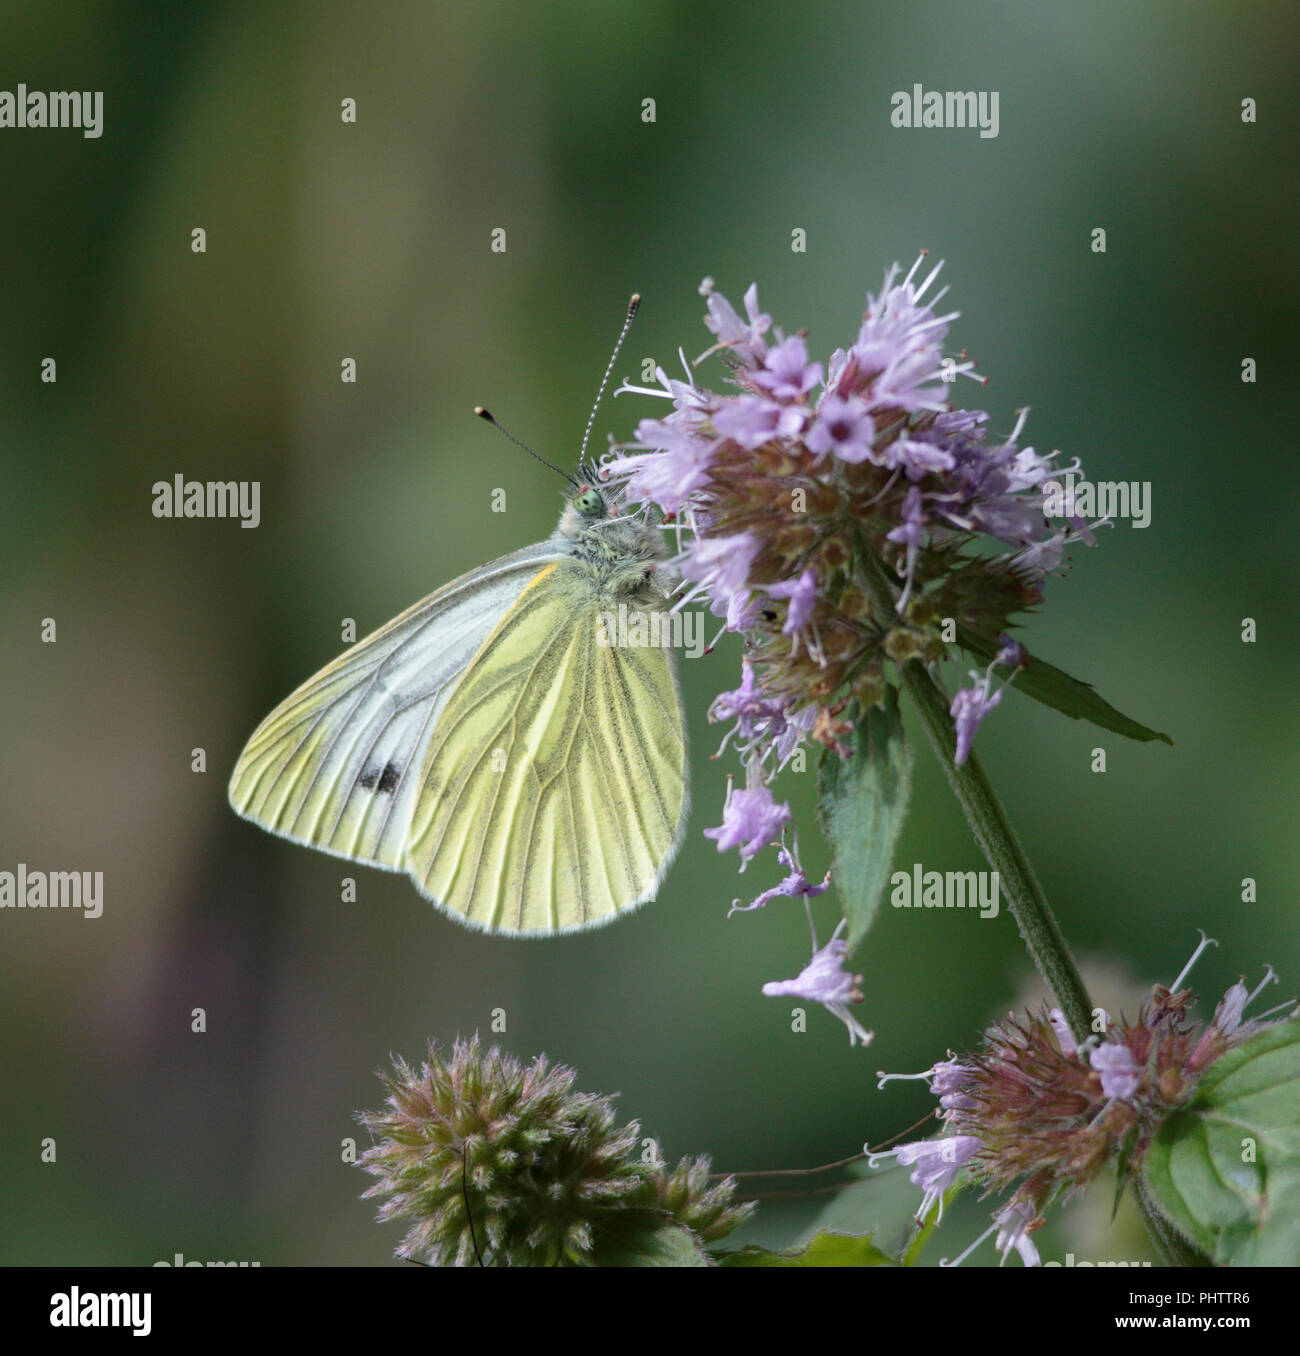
863,803
880,1202
1053,687
651,1243
826,1250
1225,1170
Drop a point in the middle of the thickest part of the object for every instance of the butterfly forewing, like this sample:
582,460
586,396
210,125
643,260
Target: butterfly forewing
337,764
553,790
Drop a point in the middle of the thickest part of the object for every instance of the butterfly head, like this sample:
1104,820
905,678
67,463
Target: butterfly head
591,504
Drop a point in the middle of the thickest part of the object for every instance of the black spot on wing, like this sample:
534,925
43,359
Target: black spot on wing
387,780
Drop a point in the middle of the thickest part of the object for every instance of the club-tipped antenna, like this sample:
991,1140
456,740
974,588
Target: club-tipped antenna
632,306
491,418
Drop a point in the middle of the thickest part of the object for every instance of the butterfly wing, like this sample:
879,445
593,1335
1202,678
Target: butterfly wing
337,764
553,792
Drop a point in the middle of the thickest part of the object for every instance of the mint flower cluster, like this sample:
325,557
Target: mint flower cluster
844,519
783,487
497,1163
1037,1114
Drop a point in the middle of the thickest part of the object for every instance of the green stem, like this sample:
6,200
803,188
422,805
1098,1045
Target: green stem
998,842
988,820
1001,848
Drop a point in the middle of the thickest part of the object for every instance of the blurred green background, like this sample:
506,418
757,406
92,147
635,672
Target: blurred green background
372,241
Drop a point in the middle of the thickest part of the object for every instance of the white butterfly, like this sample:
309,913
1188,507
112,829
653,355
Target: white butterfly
527,777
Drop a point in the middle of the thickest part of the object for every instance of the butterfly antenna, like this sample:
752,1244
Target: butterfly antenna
632,308
491,418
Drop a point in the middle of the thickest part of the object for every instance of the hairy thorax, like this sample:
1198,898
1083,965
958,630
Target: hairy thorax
625,557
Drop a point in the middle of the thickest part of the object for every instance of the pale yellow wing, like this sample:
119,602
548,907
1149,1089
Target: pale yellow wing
337,764
554,789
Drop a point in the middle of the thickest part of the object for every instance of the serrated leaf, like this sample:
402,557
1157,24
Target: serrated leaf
1054,687
863,802
826,1250
1226,1168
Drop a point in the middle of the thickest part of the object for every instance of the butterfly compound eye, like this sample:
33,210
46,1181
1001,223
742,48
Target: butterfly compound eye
589,502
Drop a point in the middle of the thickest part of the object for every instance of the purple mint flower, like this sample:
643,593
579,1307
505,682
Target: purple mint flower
843,428
802,593
750,821
720,564
740,612
764,725
679,468
755,713
900,344
1036,562
948,1080
824,980
1017,522
786,371
885,460
937,1163
911,533
952,422
739,703
1120,1076
744,340
752,421
918,457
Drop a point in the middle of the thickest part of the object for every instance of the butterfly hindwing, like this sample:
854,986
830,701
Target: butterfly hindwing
337,764
553,789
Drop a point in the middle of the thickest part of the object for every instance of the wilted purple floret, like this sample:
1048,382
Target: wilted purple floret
968,709
796,885
1013,1232
1064,1036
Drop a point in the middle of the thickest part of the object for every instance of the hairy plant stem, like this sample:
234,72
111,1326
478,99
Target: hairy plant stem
997,840
1001,848
988,820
